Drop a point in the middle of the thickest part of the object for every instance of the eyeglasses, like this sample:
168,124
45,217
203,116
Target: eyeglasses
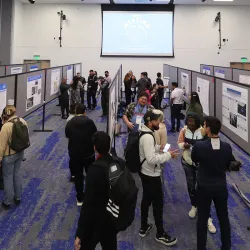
144,99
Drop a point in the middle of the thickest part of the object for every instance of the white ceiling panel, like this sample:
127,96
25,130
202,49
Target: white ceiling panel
198,2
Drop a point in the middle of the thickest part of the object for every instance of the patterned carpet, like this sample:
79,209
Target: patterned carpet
48,215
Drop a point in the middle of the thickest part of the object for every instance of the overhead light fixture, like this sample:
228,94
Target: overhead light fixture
223,0
32,1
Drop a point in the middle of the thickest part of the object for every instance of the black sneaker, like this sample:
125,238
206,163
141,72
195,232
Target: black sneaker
17,202
144,232
6,207
166,239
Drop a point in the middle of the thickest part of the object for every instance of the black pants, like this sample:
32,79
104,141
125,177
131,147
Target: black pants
105,235
133,95
82,93
78,165
91,94
104,102
205,196
175,115
128,95
160,97
152,194
71,167
65,106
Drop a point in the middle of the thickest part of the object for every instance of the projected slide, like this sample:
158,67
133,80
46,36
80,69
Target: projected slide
137,33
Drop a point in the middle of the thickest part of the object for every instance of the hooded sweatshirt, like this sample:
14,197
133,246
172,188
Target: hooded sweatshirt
151,152
80,130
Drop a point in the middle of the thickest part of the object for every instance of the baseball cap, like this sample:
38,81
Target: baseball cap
151,116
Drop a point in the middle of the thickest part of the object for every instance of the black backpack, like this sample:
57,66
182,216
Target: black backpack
122,195
131,152
20,136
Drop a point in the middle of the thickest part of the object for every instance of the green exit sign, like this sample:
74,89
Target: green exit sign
36,57
243,59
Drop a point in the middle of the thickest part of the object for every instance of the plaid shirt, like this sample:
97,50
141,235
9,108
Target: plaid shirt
129,112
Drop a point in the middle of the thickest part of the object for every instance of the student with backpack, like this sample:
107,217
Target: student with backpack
150,173
14,139
104,213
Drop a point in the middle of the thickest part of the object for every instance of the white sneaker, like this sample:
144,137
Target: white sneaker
210,226
79,204
192,213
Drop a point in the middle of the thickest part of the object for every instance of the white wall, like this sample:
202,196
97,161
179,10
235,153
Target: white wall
196,37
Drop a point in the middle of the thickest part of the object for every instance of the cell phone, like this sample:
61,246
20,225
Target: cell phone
166,148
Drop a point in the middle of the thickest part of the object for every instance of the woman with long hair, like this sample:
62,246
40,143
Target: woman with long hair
76,86
127,85
195,105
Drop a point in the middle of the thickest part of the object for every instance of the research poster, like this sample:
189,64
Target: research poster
78,68
112,112
69,74
206,70
185,82
220,73
55,81
33,68
203,91
34,91
244,79
235,110
166,90
3,96
16,70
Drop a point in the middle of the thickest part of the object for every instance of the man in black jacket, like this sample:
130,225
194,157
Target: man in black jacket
94,224
80,130
161,87
104,86
92,88
64,98
212,157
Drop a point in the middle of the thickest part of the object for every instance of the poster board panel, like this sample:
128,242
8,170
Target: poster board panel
77,68
173,74
241,76
233,112
7,90
30,92
33,67
205,87
53,81
68,72
223,72
207,69
2,70
166,70
185,80
16,69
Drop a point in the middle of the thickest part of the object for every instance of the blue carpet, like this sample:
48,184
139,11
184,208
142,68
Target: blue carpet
47,217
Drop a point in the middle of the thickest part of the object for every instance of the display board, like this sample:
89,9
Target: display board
112,109
204,86
173,74
207,69
33,67
30,92
2,70
223,72
68,73
16,69
166,70
7,90
232,108
53,81
241,76
185,80
77,68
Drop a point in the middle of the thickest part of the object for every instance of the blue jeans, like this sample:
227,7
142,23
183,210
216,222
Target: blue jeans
11,176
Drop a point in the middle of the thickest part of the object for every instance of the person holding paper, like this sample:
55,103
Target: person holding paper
188,137
212,157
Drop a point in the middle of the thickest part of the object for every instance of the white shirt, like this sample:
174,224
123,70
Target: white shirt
177,96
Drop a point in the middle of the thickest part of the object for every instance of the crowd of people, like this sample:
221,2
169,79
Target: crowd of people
89,152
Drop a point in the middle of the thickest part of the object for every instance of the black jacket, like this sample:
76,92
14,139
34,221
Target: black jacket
80,130
160,83
142,85
64,97
93,214
92,83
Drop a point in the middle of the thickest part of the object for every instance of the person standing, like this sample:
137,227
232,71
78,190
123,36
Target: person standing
212,157
92,89
82,92
75,91
79,130
176,106
151,179
142,84
195,105
94,224
104,86
11,159
161,88
64,98
128,85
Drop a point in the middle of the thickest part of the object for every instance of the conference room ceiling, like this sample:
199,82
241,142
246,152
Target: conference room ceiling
207,2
